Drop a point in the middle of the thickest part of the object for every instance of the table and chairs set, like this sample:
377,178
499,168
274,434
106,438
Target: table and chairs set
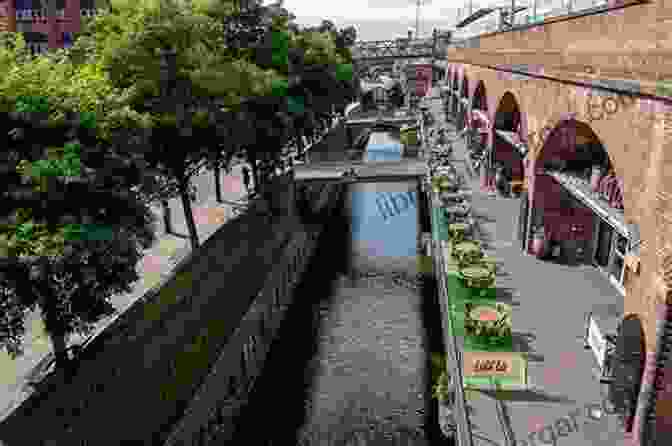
475,269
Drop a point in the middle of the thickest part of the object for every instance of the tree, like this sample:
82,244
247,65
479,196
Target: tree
66,256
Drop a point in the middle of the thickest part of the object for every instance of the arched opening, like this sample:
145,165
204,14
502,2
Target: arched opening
478,120
577,204
505,171
627,368
446,92
454,97
463,104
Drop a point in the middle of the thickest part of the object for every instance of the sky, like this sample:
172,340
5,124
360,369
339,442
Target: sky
377,19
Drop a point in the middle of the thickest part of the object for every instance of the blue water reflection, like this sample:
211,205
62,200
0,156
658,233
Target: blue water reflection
385,222
383,146
384,215
388,152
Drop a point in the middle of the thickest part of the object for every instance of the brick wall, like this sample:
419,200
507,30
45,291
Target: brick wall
633,136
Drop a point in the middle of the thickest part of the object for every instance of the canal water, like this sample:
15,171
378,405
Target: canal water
351,365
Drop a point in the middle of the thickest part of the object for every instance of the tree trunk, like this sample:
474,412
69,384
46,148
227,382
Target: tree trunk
255,172
218,183
167,223
188,214
59,343
52,323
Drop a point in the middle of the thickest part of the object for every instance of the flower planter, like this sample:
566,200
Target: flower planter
487,325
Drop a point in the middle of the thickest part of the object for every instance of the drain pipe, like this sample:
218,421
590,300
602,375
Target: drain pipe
652,381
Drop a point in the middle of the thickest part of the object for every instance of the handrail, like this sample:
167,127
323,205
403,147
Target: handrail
463,428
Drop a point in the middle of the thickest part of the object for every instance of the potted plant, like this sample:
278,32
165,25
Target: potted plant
443,386
488,324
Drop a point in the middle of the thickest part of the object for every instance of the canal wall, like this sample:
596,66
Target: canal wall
183,358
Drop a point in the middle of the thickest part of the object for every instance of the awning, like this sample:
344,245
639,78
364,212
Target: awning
580,188
513,139
480,115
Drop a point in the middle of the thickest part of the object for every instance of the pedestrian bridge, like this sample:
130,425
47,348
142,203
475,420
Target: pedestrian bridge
359,121
365,172
383,120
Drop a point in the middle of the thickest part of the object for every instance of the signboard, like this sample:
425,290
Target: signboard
596,341
507,368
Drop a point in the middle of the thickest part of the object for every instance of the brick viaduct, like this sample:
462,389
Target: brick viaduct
597,79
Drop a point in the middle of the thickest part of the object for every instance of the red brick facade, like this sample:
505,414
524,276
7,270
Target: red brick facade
560,105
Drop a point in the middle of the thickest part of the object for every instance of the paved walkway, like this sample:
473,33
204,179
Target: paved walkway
549,303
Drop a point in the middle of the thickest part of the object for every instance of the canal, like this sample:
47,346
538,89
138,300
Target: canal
351,364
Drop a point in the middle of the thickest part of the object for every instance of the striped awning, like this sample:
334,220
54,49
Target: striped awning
580,189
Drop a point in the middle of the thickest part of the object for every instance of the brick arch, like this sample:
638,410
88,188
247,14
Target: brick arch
464,85
561,140
479,97
507,117
558,150
508,114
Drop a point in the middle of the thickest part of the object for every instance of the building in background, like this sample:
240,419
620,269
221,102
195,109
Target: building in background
31,17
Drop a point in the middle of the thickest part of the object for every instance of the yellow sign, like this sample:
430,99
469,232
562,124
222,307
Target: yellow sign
500,364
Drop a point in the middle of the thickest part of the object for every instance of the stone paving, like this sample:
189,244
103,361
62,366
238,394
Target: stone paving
549,305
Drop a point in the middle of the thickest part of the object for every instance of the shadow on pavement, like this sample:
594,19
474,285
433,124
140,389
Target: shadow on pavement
505,295
526,395
521,343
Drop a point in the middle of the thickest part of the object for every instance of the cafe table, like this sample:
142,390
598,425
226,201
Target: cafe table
477,276
457,230
458,210
468,251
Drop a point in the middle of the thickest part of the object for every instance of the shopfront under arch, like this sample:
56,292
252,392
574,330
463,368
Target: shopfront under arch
507,153
478,119
463,103
576,201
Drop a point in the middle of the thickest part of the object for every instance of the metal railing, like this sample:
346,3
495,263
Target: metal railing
536,12
463,426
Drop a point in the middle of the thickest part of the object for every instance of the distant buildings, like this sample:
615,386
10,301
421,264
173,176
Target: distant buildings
31,18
